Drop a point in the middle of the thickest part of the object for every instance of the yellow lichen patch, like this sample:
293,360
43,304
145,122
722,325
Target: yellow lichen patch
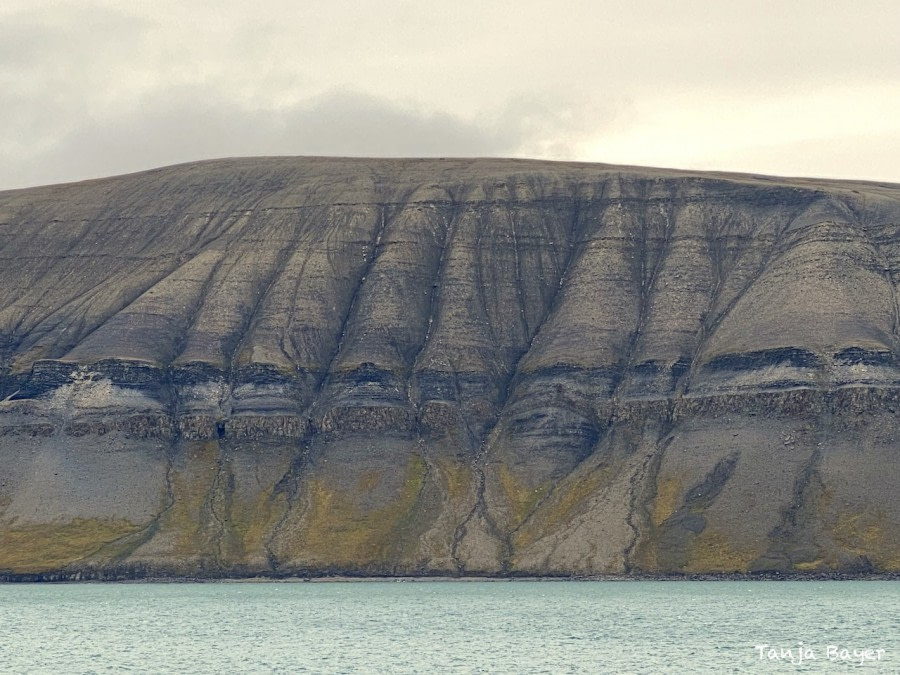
558,510
521,498
858,532
869,534
51,546
457,478
369,480
811,566
339,532
668,492
190,489
712,551
252,521
646,557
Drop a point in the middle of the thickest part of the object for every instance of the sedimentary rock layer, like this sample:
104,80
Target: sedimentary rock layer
310,366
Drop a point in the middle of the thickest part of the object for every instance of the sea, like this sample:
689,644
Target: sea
416,626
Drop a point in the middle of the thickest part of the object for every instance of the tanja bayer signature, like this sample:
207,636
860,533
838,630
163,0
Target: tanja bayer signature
802,653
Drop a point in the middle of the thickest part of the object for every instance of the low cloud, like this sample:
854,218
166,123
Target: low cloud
181,125
90,88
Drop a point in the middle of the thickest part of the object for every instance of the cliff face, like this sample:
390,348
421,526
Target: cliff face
309,365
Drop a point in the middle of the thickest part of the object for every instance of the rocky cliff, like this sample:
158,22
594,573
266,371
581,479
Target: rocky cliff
310,366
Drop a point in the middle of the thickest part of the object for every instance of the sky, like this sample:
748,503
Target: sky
92,88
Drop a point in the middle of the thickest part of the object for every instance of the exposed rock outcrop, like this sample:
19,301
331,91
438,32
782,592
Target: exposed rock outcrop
309,365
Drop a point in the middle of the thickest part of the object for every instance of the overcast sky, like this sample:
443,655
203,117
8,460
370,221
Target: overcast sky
91,88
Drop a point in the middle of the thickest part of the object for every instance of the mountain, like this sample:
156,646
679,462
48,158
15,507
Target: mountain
314,366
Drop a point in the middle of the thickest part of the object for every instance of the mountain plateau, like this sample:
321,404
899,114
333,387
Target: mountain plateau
313,366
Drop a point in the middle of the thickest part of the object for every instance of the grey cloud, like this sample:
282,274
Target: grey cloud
551,126
56,64
66,39
93,87
187,125
348,123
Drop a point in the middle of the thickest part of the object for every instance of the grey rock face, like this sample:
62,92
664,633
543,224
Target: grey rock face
311,365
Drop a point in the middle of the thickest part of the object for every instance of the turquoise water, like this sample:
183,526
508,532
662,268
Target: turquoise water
445,627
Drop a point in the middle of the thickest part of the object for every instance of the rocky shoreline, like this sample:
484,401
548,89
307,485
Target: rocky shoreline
105,577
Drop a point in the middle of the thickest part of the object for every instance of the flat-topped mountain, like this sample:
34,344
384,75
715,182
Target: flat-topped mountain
495,367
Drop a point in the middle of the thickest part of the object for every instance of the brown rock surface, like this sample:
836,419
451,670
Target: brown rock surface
310,366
